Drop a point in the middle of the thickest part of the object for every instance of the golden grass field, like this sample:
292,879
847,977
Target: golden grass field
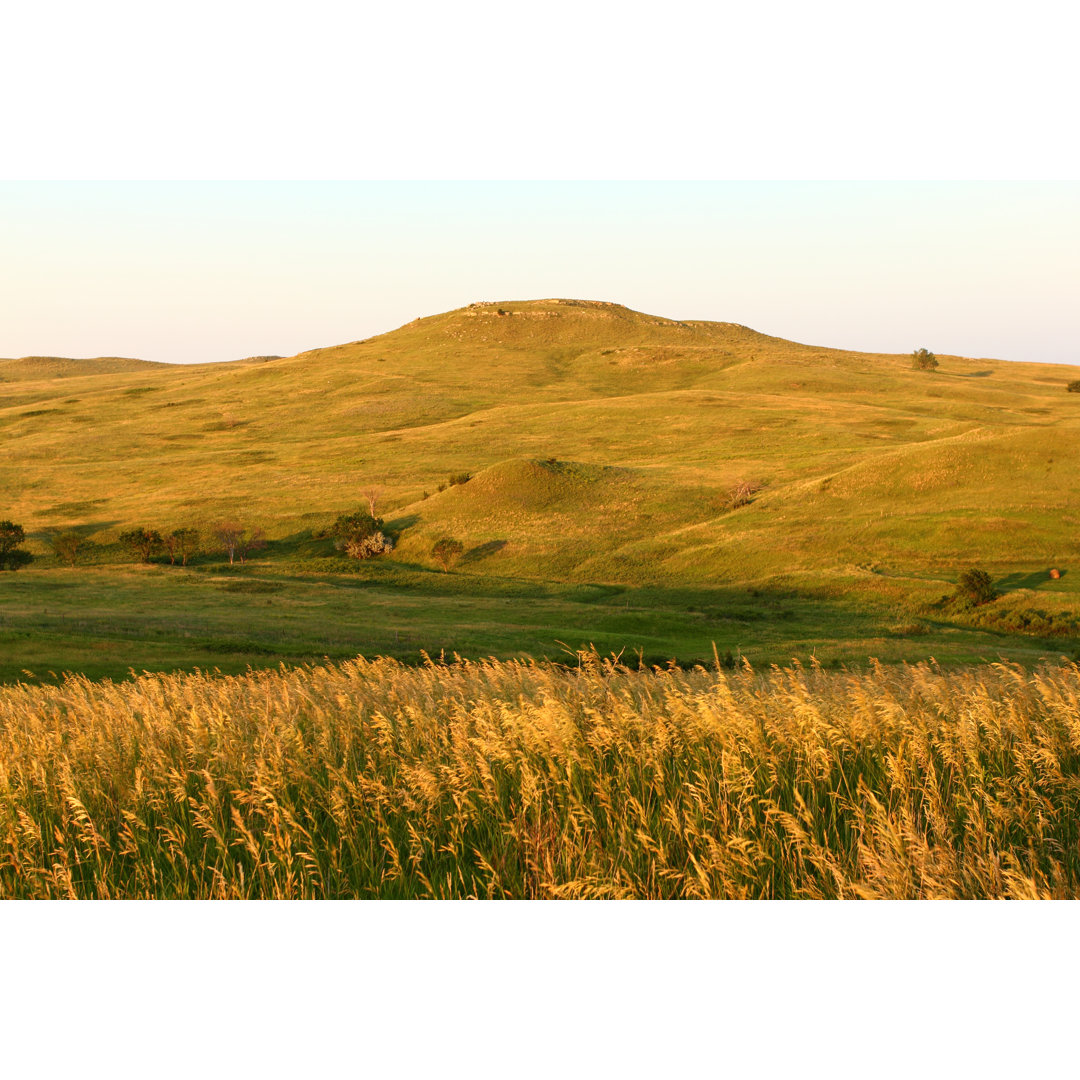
493,779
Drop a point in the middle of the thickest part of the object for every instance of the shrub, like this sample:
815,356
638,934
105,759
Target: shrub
446,552
368,547
12,554
976,586
923,360
1074,387
741,493
459,478
360,535
354,526
143,543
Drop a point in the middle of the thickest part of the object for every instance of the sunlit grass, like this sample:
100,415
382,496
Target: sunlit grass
514,779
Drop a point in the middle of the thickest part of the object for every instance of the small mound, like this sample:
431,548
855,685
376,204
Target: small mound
537,484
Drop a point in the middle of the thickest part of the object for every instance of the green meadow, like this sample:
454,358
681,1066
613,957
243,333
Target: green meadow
601,444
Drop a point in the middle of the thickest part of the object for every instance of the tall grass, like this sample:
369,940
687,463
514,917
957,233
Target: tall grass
371,779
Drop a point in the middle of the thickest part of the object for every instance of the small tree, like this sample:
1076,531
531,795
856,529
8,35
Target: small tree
66,545
976,586
923,360
446,552
181,543
12,554
144,543
229,534
372,494
355,526
253,540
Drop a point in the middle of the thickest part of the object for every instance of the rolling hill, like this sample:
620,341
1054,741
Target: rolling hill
601,443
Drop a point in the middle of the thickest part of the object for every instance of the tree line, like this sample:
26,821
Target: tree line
359,535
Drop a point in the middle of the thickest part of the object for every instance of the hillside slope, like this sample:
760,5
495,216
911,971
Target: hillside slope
602,442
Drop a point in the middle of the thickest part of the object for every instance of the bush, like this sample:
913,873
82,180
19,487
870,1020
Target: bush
923,360
446,552
976,586
354,526
459,478
360,535
12,554
368,547
741,493
1074,387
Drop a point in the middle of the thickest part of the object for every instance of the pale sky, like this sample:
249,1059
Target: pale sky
208,271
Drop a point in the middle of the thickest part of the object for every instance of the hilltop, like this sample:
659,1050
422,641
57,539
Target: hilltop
602,443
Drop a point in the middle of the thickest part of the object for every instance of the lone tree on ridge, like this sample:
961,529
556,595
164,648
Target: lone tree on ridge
924,360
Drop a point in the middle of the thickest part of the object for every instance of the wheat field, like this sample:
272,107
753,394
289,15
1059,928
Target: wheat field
370,779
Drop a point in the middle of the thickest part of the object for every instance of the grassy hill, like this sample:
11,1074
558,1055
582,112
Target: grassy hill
601,443
34,368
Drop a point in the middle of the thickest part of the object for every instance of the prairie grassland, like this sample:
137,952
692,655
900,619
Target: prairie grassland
520,779
602,445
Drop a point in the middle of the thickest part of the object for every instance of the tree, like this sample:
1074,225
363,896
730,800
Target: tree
253,540
12,554
923,360
144,543
182,543
976,586
66,545
360,534
238,539
372,494
446,552
229,534
355,526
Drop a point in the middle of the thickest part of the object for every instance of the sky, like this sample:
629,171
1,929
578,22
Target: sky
195,271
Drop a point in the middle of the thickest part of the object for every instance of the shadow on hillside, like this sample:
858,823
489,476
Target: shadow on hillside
84,529
971,374
482,551
1026,581
400,524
